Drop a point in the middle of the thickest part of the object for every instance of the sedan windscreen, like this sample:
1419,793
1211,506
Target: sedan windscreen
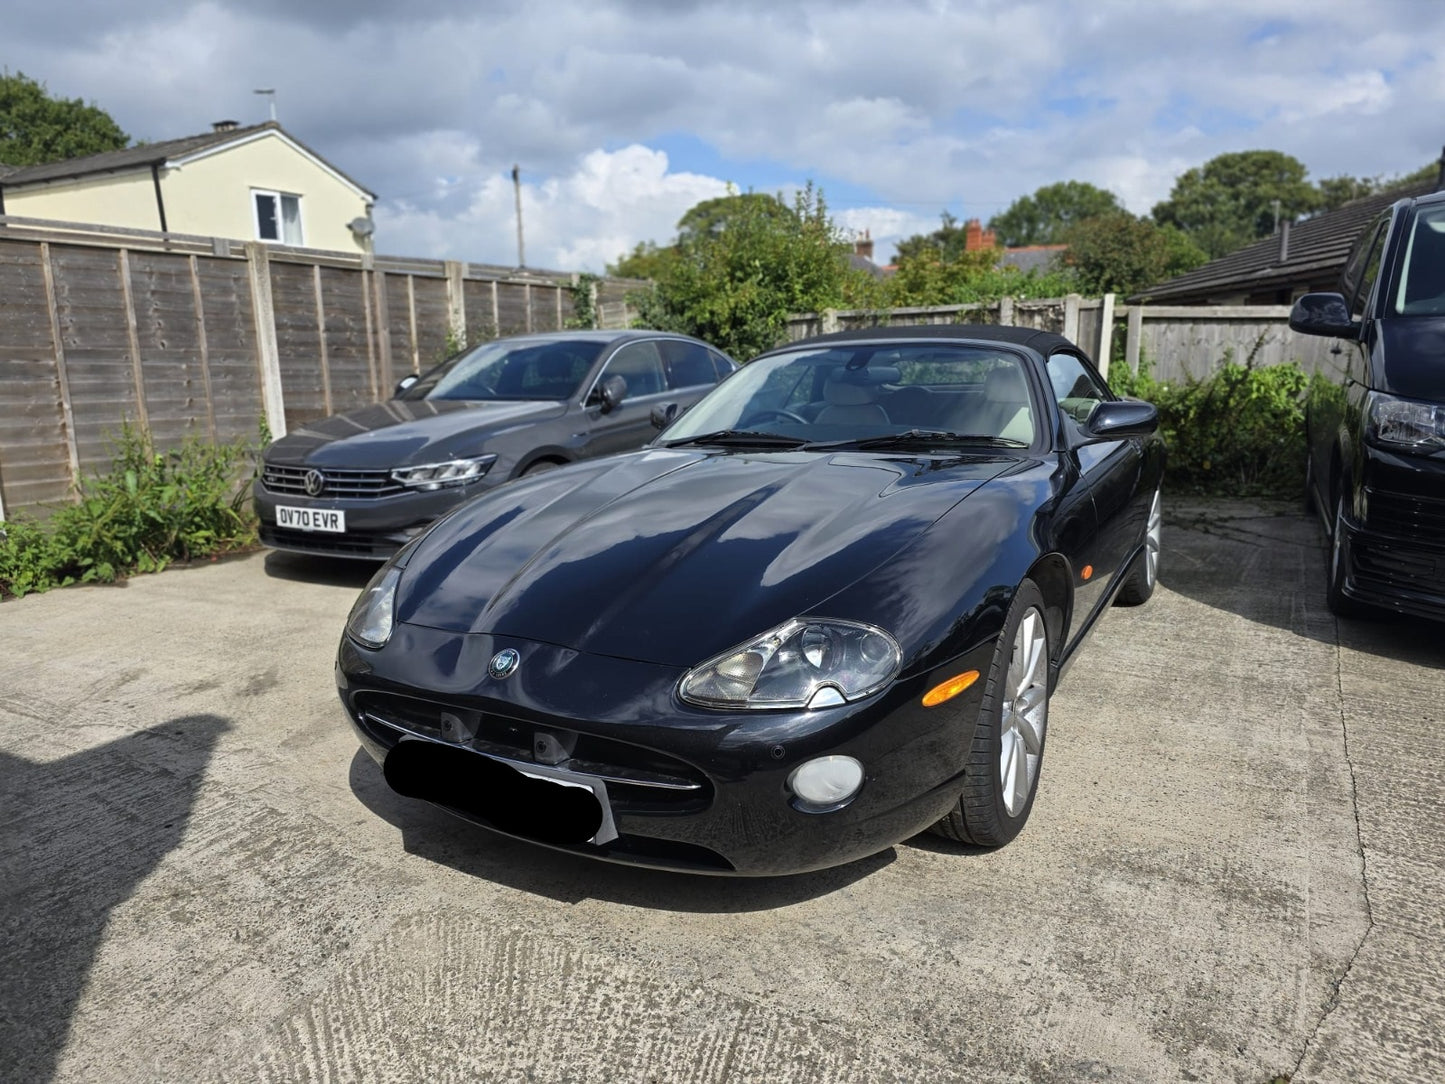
507,369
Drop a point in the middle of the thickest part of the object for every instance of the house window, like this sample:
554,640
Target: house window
278,217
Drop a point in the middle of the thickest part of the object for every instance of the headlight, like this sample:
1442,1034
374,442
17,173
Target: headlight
1405,423
374,614
453,472
803,663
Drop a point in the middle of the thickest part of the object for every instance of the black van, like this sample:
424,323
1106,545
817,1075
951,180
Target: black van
1376,426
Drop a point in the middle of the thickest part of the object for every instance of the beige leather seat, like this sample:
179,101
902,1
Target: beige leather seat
851,403
1006,411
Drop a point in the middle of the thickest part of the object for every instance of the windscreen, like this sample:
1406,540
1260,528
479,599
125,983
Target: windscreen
1422,283
508,369
863,391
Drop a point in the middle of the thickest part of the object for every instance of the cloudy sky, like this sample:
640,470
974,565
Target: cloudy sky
624,113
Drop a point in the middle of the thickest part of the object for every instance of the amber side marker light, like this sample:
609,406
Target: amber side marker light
949,689
1088,571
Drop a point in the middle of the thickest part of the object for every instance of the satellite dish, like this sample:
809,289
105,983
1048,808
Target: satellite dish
362,226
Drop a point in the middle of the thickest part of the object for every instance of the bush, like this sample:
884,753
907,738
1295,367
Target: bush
1238,433
152,508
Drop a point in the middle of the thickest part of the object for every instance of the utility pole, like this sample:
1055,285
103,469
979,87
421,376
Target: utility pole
517,190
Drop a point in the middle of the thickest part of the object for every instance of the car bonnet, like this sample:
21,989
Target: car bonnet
670,556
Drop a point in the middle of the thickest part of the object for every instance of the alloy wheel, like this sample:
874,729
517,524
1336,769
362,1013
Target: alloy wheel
1025,712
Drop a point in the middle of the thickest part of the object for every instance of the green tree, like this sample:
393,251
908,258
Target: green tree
1236,198
948,242
713,216
36,128
1044,217
1337,191
1119,253
645,261
735,285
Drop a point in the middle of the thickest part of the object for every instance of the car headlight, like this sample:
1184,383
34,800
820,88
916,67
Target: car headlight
1405,423
812,663
453,472
374,614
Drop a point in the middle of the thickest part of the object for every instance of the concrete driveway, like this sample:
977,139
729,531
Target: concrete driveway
1234,870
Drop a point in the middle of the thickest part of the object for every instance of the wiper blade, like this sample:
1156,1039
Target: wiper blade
922,438
732,437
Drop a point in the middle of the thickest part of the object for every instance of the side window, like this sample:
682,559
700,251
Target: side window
1364,266
720,364
687,364
1076,389
641,366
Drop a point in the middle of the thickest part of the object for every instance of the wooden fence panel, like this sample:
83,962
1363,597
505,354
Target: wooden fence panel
431,320
482,322
343,299
34,459
173,383
400,325
511,309
298,342
545,314
231,343
101,371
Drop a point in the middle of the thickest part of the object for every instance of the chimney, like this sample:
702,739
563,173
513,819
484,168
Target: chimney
1284,241
225,126
863,246
976,237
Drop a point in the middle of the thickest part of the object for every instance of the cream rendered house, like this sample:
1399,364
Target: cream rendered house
249,184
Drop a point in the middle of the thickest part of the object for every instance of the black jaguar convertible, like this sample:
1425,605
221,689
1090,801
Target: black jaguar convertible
823,611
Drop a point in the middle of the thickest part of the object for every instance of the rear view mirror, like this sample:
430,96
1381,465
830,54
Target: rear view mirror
1323,314
404,383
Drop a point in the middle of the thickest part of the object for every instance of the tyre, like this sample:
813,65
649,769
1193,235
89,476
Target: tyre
1144,573
542,466
1002,773
1335,598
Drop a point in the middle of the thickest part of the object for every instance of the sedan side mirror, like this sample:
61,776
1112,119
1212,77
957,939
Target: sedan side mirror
1122,418
1323,314
664,415
611,392
404,383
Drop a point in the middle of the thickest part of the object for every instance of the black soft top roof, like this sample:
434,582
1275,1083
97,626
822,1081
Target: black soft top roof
1044,342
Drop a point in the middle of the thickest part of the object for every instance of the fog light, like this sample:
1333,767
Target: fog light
825,783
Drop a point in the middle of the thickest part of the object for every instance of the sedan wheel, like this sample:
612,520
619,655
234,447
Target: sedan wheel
1002,774
1144,574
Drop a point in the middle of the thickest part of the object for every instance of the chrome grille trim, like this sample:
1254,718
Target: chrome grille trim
291,481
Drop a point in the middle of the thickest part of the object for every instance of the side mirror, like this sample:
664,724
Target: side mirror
611,392
664,415
404,383
1120,419
1323,314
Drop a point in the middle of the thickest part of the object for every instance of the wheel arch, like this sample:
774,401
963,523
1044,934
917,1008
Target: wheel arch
1056,583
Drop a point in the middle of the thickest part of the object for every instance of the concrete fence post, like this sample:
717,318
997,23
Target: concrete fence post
1071,317
1106,335
456,302
1006,310
830,321
268,353
1133,337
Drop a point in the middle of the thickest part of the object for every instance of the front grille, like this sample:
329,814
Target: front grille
291,481
1406,515
639,780
1393,568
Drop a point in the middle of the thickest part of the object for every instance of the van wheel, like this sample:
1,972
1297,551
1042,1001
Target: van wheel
1340,604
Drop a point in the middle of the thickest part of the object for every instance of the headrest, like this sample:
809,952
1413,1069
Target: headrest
1005,384
840,391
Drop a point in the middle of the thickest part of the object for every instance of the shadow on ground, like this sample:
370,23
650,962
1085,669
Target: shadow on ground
438,836
328,571
1266,562
80,833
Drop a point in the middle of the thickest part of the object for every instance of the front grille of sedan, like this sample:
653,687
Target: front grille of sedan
639,780
1406,515
291,481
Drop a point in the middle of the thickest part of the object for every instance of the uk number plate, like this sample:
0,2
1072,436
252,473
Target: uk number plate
311,519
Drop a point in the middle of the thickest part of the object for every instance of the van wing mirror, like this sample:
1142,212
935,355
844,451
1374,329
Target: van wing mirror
1324,314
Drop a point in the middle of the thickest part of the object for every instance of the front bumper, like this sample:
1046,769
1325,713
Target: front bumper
376,527
685,788
1394,542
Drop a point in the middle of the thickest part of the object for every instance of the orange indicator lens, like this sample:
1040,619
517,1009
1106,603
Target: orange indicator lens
1088,571
949,689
